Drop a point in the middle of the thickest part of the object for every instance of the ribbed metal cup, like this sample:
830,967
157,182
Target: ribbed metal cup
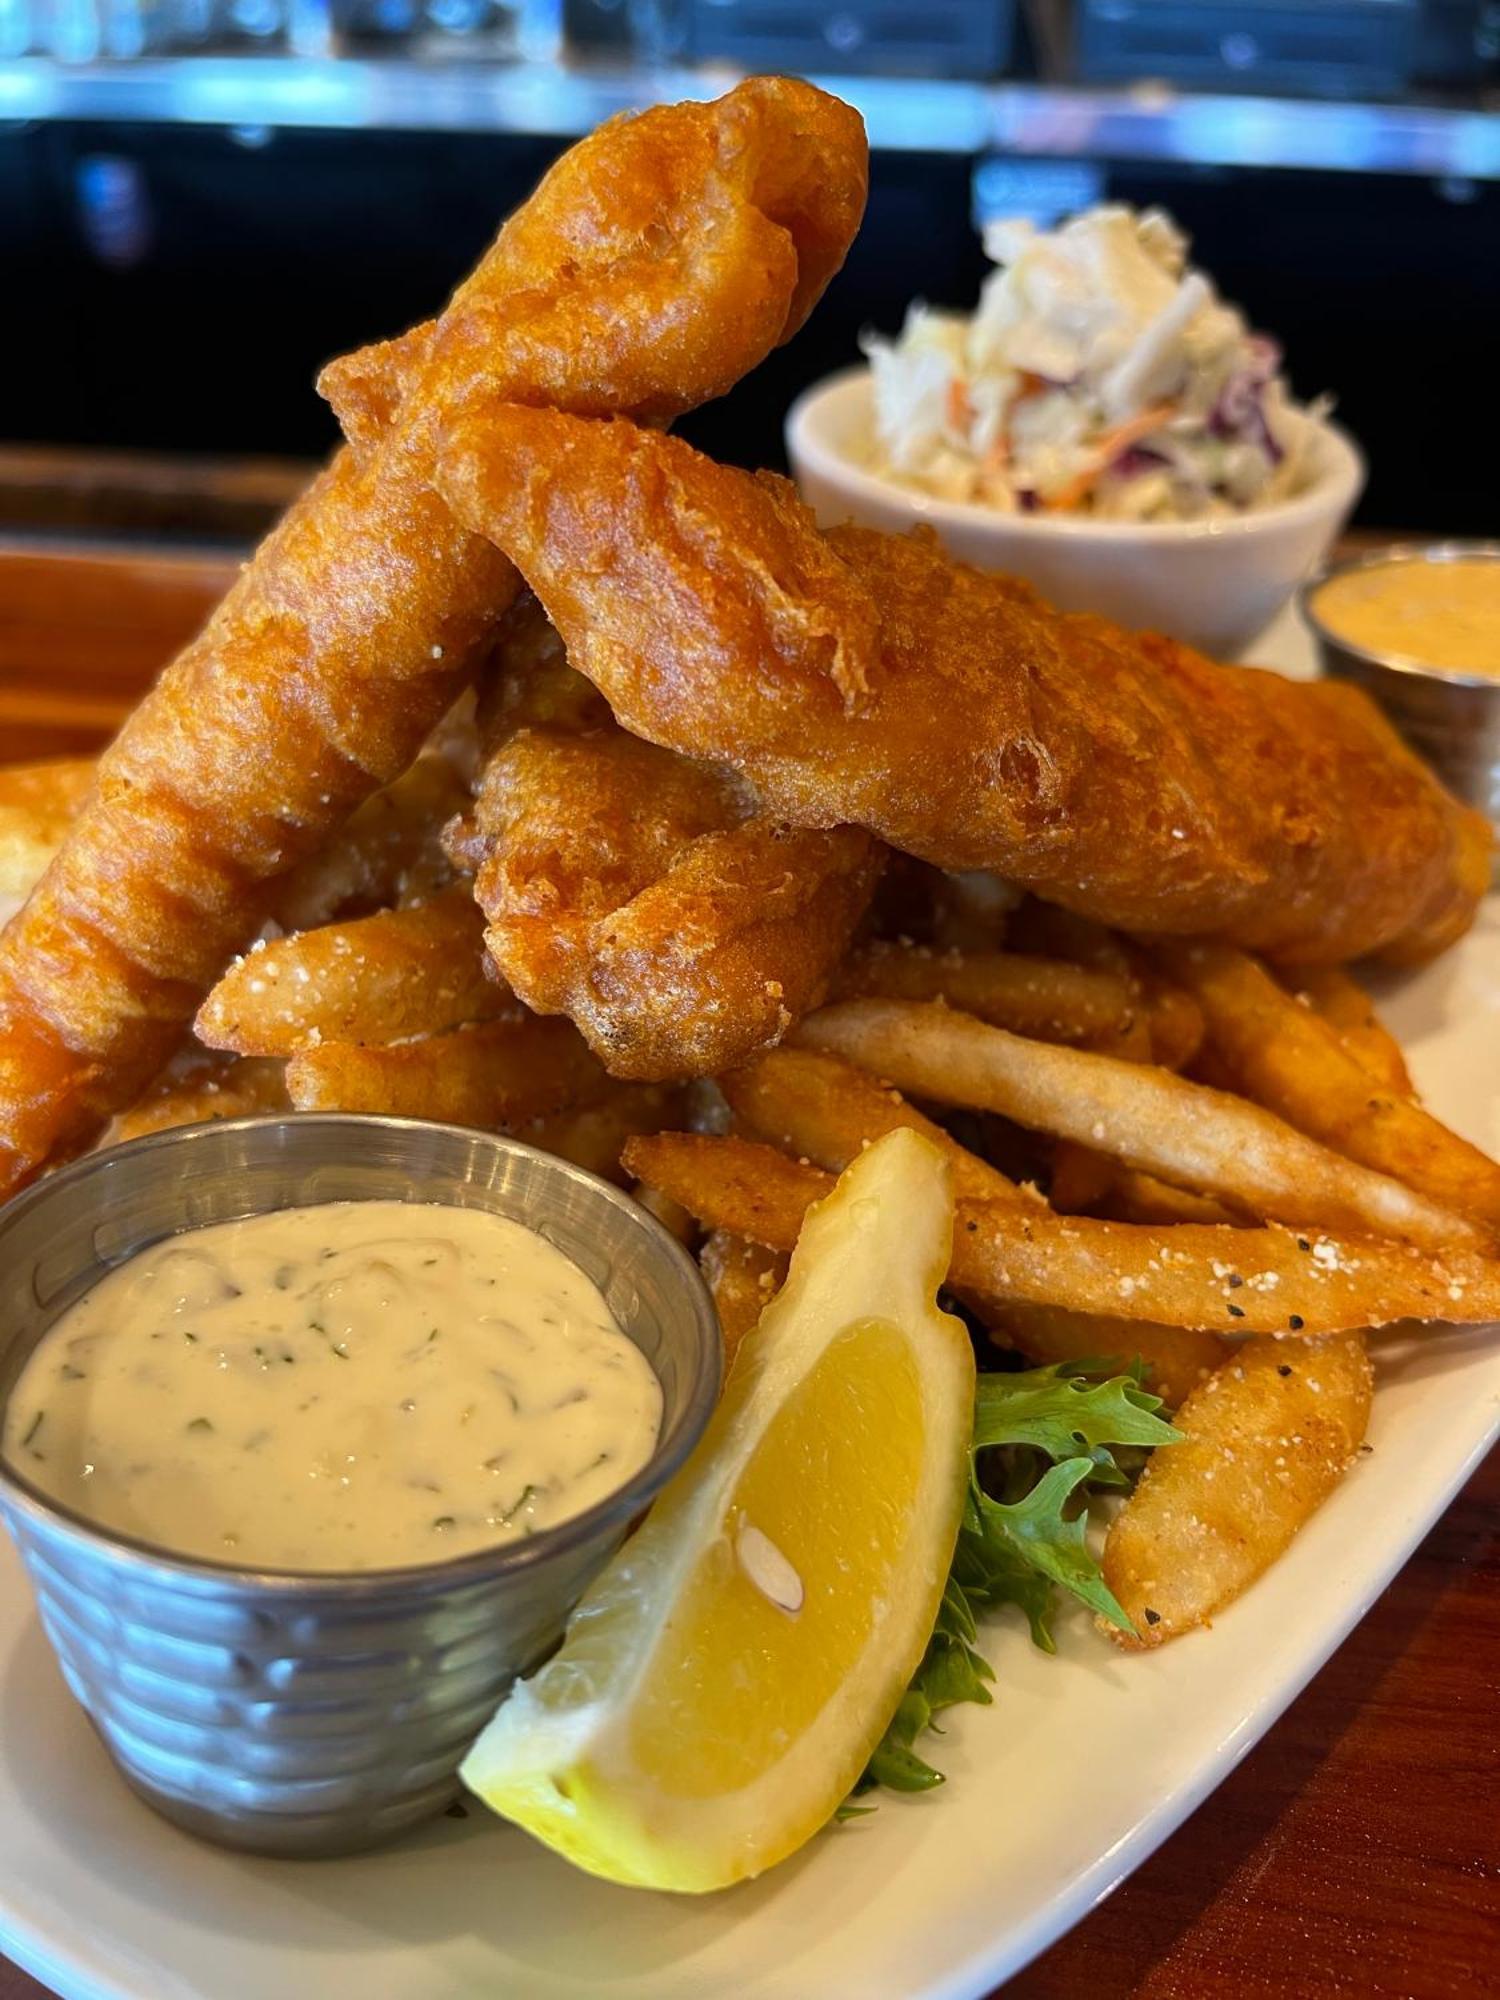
1451,719
285,1712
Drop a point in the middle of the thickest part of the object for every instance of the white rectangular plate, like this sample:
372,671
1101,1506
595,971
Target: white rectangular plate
1084,1764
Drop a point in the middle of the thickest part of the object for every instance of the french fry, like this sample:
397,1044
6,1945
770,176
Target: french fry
735,1184
743,1278
202,1088
820,1108
378,979
1134,1197
1150,1119
1045,997
389,851
673,1215
1177,1358
498,1073
1081,1178
1133,1044
593,1135
1268,1437
1174,1019
1160,1029
1265,1280
38,803
824,1110
1350,1012
1290,1059
1079,983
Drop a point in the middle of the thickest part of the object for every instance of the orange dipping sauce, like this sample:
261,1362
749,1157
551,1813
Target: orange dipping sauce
1436,614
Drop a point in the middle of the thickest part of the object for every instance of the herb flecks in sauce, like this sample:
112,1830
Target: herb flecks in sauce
325,1374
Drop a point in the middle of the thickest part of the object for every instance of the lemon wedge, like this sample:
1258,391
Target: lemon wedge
722,1684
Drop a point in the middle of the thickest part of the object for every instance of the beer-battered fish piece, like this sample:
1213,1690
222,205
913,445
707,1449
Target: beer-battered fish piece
315,681
654,265
643,894
867,678
657,262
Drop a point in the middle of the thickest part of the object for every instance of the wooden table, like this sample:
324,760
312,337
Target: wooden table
1355,1852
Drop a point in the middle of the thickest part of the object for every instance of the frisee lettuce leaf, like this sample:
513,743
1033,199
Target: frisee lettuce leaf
951,1671
1020,1549
1038,1532
1058,1412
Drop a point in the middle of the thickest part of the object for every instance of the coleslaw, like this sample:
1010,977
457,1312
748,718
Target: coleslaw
1099,374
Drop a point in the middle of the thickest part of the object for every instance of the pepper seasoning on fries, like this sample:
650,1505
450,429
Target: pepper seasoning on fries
1233,1241
1163,1151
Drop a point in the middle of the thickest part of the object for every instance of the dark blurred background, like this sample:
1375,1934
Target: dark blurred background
200,202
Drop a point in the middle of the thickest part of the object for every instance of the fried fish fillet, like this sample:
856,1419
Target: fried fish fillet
654,265
867,678
643,894
659,260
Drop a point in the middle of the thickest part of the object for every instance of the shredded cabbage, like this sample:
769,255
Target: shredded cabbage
1099,374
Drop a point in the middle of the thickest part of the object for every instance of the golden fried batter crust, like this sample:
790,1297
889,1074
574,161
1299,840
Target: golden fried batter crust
645,895
656,263
867,678
650,274
314,682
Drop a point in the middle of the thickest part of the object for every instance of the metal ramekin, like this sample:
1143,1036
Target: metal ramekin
291,1713
1451,719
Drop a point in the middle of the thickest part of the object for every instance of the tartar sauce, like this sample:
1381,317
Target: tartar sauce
359,1385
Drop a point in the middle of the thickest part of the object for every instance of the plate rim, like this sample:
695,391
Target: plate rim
93,1964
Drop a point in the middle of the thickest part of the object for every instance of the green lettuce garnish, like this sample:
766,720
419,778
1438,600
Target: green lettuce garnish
1043,1439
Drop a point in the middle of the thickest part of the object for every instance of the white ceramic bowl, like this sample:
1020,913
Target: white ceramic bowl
1216,584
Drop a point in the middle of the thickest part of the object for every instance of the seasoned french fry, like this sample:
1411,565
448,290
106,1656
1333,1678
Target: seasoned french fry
1344,1004
674,1216
200,1088
389,851
1168,1024
1150,1119
735,1184
1177,1358
1268,1437
37,805
1157,1021
1045,997
1174,1019
1081,1178
1134,1197
1290,1059
822,1109
1243,1281
593,1135
1133,1044
374,979
498,1073
819,1108
744,1277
